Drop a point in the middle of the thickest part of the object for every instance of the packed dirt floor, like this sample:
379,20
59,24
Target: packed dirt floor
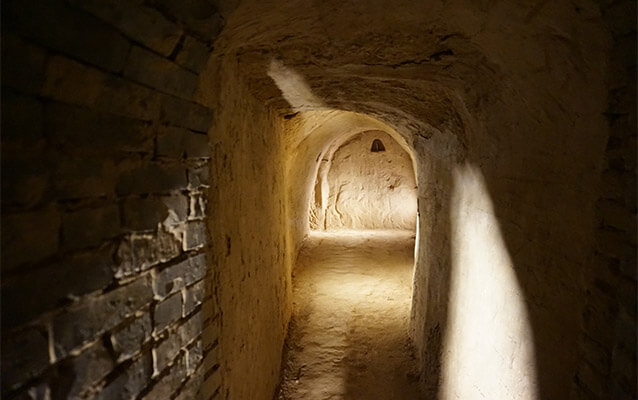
348,335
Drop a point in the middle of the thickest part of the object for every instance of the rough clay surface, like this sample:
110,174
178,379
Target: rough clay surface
349,333
357,188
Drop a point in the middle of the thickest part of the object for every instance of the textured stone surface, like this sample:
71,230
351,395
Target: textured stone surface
178,112
153,179
103,223
95,132
131,382
358,188
193,297
94,316
193,55
19,365
56,25
94,200
26,296
166,386
39,227
86,369
152,70
167,311
177,276
130,338
143,24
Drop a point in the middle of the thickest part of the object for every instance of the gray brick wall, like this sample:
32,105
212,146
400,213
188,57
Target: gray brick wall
105,163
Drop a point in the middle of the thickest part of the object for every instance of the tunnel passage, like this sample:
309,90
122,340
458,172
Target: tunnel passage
352,281
150,226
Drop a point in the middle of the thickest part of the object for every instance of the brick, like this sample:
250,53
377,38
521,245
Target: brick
177,205
178,142
143,24
144,214
194,357
169,383
167,311
37,391
185,114
93,316
190,329
193,55
195,235
191,387
27,296
152,70
170,141
70,82
84,176
22,118
175,277
211,383
90,227
85,370
200,18
193,297
152,178
131,382
54,24
138,252
25,71
25,354
198,177
198,202
25,183
34,236
128,340
196,146
96,132
165,353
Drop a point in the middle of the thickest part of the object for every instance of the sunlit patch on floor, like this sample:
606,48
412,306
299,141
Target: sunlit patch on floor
349,336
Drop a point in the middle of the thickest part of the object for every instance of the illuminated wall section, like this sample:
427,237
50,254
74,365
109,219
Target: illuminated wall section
367,183
488,352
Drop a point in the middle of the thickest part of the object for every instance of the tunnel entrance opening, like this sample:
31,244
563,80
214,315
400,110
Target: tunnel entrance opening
352,282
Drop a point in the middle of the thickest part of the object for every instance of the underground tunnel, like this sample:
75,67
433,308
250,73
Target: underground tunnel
271,199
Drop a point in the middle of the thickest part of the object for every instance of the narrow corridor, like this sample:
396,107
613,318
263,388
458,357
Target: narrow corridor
348,336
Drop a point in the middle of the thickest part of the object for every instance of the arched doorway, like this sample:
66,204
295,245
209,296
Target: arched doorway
353,278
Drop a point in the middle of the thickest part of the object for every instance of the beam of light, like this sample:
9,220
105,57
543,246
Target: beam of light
489,351
293,87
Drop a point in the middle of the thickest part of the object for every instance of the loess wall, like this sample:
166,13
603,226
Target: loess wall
505,109
248,225
106,284
357,188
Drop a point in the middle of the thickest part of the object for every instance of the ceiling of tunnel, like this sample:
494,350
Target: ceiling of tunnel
420,67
